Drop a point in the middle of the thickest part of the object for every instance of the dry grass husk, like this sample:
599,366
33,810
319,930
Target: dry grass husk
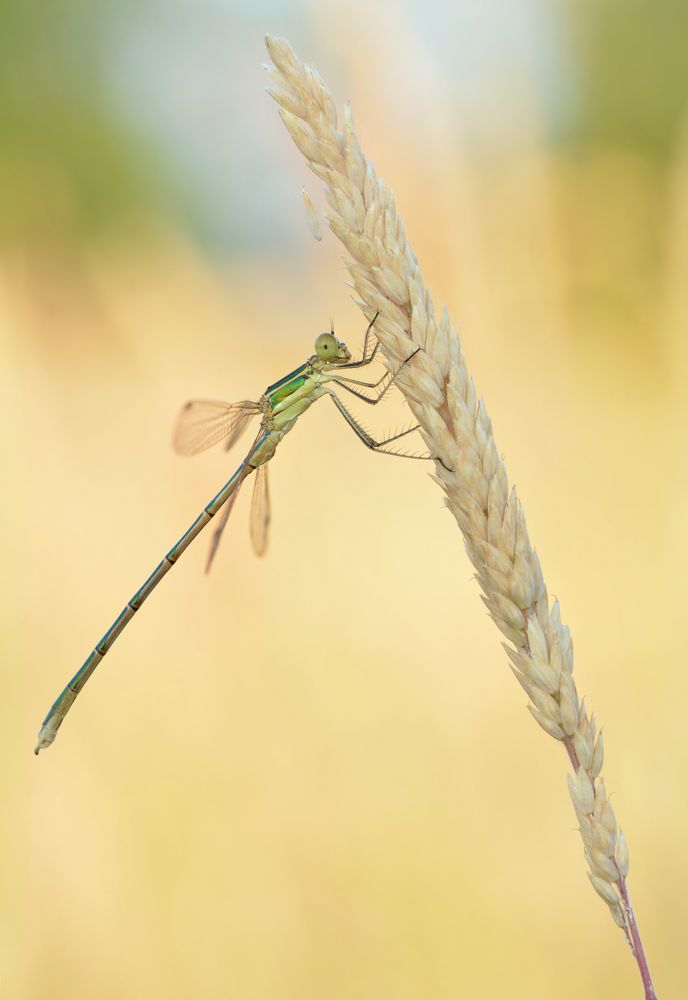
387,280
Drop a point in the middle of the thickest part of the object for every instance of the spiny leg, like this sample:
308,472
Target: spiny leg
340,379
360,431
388,377
361,395
367,439
372,401
367,335
365,360
358,381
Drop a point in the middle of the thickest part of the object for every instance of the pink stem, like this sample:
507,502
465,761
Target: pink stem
636,943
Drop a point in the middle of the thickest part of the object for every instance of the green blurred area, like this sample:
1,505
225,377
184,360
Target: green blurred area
630,69
71,167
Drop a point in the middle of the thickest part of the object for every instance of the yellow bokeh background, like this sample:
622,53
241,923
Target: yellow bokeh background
313,775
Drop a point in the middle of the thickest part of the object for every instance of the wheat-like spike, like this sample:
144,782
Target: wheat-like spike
387,281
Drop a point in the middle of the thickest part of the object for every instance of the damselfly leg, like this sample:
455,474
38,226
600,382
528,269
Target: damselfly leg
387,381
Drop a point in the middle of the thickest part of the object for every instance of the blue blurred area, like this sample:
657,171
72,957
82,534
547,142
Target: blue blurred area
190,77
629,72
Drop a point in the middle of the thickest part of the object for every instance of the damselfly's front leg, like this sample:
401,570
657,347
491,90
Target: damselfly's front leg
366,359
367,336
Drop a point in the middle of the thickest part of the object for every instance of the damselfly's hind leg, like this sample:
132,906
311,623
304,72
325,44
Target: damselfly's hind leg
368,440
383,384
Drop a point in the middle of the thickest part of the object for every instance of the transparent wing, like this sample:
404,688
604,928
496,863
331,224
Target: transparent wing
224,517
204,422
260,512
239,429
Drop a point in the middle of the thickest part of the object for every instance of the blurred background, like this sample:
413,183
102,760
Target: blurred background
312,775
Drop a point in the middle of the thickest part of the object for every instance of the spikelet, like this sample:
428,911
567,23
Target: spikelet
312,216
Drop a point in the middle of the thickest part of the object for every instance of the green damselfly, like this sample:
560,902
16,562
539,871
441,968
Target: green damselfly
203,423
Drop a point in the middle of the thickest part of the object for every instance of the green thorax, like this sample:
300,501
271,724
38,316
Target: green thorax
287,385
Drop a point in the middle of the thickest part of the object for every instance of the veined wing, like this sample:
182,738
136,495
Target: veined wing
204,422
239,429
260,512
224,516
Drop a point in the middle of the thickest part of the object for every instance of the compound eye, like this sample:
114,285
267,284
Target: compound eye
326,347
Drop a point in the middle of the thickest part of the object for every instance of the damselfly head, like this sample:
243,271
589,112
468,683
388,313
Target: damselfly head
329,349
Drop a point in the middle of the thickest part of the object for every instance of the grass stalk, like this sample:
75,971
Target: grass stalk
387,280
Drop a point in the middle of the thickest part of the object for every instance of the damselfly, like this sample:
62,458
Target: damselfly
203,423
